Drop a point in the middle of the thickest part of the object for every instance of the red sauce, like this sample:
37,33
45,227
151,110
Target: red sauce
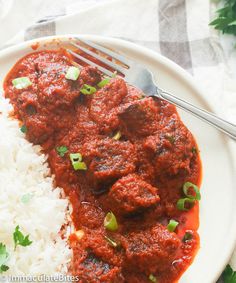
138,177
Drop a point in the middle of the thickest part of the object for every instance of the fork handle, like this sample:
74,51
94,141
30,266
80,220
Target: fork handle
219,123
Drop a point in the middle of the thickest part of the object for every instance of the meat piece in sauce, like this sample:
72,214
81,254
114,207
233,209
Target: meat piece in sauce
151,250
131,194
140,118
172,149
108,159
96,260
93,270
103,106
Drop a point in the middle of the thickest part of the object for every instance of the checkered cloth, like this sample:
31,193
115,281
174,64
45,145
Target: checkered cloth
178,29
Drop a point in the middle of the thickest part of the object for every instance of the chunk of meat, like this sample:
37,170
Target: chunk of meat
131,194
108,159
93,270
151,250
95,260
103,106
171,149
140,118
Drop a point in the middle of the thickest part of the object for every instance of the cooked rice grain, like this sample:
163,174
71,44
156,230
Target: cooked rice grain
23,171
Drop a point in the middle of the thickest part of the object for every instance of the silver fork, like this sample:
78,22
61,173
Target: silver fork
139,76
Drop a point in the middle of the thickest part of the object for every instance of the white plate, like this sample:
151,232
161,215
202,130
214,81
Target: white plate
217,207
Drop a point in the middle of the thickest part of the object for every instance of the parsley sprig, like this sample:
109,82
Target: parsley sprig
229,276
3,258
226,20
20,239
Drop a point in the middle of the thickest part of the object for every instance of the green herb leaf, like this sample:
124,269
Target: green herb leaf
110,222
61,150
181,204
3,268
21,83
76,161
23,129
170,138
72,73
187,236
104,82
172,225
152,278
26,198
194,150
229,276
4,256
226,20
88,89
189,185
20,239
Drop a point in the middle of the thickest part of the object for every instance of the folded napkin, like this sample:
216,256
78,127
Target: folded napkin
178,29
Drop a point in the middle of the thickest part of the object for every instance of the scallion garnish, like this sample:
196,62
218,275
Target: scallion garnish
117,136
21,83
170,138
75,157
110,222
111,242
77,163
20,239
72,73
188,236
194,150
88,89
172,225
181,203
61,150
23,129
26,198
152,278
4,256
186,188
104,82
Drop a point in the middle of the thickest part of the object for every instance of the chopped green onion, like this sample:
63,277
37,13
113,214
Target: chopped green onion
117,136
75,157
110,222
170,138
21,83
23,129
76,160
111,242
104,82
88,89
186,187
78,165
181,203
188,236
61,150
26,198
152,278
194,150
172,225
72,73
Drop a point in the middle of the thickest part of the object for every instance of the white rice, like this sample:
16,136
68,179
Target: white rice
23,170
